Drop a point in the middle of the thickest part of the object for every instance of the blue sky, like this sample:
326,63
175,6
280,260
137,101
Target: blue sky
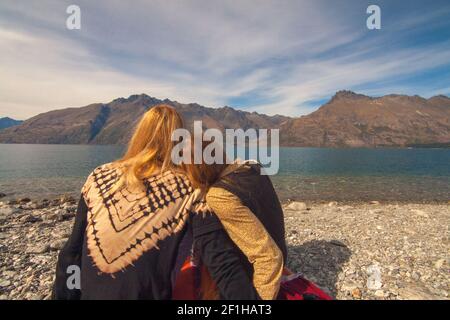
285,57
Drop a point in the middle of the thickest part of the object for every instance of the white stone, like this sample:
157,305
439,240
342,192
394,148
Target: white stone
6,211
349,286
374,277
5,283
438,264
379,294
332,204
420,213
296,206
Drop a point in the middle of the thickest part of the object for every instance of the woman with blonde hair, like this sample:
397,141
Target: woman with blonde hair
136,216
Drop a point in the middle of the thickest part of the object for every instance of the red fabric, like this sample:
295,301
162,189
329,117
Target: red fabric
293,286
185,288
298,288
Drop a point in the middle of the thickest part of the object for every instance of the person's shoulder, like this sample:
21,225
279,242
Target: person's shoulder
103,167
103,170
248,176
172,176
255,167
248,168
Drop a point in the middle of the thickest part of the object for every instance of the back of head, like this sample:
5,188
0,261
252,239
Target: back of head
149,150
201,174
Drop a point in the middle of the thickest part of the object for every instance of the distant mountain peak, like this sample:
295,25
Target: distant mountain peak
347,94
354,120
440,96
414,99
136,98
7,122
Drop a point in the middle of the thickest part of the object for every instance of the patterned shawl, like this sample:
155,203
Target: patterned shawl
124,223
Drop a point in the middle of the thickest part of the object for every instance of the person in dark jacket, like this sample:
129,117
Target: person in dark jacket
134,218
248,207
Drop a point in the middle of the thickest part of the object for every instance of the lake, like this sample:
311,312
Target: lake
415,175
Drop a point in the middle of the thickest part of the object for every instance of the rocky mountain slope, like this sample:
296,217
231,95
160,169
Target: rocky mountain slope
355,120
112,123
347,120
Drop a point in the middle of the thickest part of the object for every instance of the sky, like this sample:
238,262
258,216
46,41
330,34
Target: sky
273,57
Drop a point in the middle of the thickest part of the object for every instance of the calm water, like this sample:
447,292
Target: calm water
305,173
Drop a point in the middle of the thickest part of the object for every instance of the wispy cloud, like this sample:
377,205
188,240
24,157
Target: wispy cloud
269,56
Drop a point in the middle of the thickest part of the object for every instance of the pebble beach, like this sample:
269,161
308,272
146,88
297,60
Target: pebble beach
368,250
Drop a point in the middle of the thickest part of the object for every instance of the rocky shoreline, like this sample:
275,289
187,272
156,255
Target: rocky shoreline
372,250
352,250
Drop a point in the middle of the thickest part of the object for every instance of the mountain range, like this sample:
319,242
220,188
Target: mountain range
7,122
355,120
347,120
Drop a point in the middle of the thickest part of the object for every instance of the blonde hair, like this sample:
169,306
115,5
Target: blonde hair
149,150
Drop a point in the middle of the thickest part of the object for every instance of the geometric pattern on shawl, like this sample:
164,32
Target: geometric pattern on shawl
124,223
